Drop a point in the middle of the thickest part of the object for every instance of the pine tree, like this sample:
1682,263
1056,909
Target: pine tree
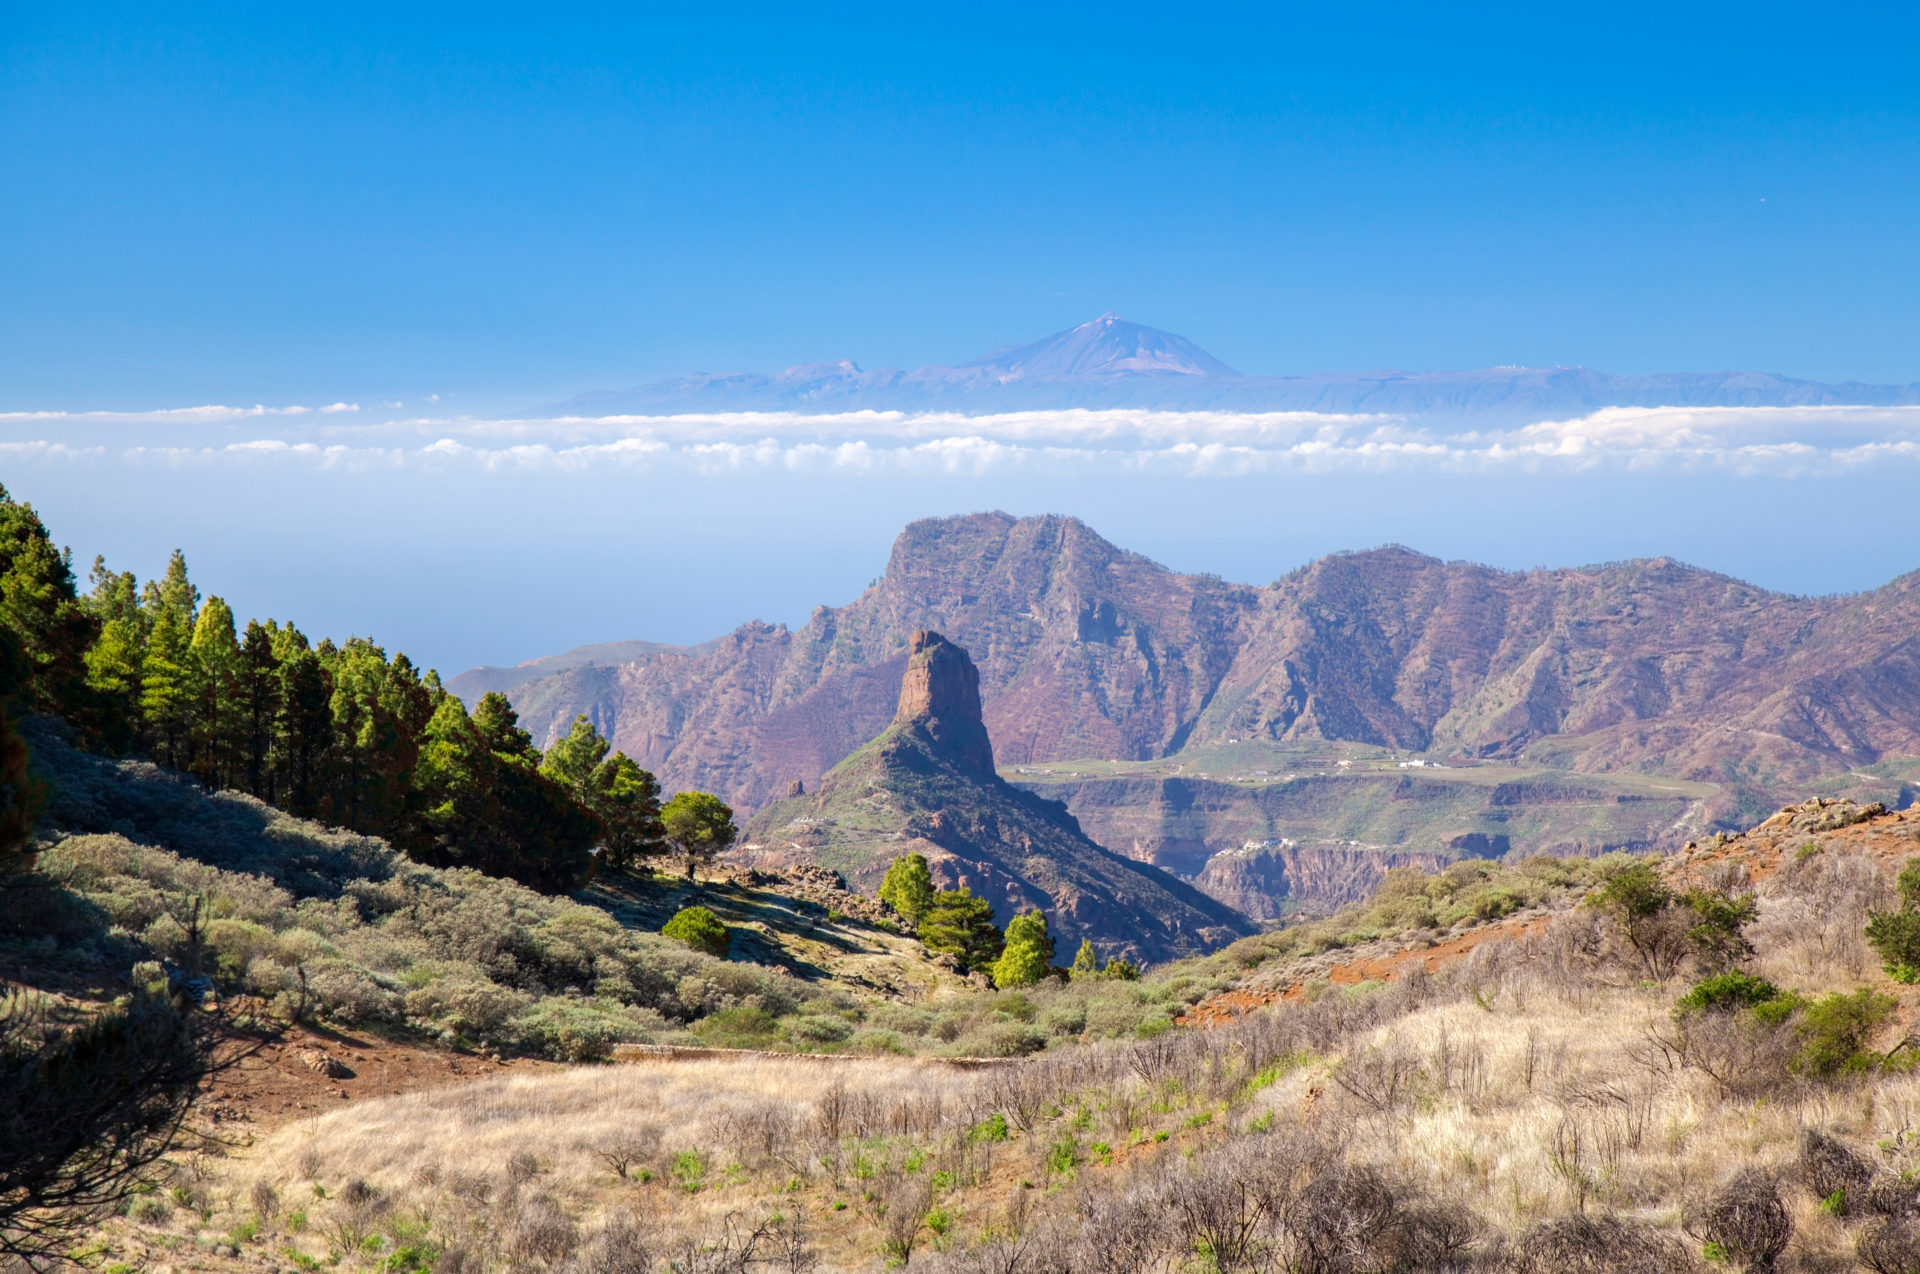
1028,953
214,668
574,755
166,687
170,605
499,726
908,888
21,795
622,796
379,713
699,825
39,603
259,695
303,733
116,663
1086,961
475,807
626,799
961,925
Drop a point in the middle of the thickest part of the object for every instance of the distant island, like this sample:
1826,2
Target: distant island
1113,363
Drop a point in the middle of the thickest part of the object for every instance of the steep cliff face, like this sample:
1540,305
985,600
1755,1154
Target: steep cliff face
1330,836
927,785
940,700
1270,880
1084,650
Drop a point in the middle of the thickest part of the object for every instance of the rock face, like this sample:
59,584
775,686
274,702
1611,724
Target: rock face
1084,650
1268,880
927,785
940,695
1328,838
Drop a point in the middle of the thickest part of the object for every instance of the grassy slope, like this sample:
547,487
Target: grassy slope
897,793
1504,1090
389,945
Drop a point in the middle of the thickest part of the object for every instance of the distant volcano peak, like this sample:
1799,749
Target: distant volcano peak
1108,346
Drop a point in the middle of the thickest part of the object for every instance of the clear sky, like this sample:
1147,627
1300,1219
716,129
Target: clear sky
506,206
214,203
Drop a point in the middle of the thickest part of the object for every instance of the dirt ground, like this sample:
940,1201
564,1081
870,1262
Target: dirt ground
291,1078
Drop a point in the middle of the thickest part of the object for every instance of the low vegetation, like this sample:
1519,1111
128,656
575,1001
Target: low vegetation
1540,1104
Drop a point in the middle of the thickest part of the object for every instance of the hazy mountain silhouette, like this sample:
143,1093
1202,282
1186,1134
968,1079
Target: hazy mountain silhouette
1113,363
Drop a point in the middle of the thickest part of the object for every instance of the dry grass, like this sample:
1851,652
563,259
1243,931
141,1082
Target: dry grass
728,1111
1525,1109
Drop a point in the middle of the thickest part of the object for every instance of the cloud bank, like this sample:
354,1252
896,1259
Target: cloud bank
1790,441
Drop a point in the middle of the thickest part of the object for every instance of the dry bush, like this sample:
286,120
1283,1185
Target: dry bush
1832,1172
899,1209
542,1234
1746,1218
1229,1203
628,1149
1813,916
1890,1246
1381,1081
1341,1221
620,1247
1120,1229
1894,1196
1599,1245
356,1214
1744,1055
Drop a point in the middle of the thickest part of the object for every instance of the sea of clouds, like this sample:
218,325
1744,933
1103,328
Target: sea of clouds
1777,441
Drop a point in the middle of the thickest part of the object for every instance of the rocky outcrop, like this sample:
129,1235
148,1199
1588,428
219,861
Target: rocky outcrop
927,785
940,695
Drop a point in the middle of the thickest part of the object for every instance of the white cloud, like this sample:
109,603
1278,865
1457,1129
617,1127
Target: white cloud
1772,440
207,415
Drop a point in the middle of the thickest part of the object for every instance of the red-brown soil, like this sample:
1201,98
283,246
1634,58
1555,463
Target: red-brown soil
277,1085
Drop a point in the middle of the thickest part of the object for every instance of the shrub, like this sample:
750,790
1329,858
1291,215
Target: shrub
1748,1221
743,1026
1895,938
1891,1247
1831,1171
1835,1030
992,1128
1727,992
701,930
1718,934
1599,1245
819,1028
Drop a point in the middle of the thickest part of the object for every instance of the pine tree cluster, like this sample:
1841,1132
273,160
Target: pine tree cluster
342,733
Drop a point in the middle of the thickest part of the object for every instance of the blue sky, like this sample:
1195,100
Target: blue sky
506,206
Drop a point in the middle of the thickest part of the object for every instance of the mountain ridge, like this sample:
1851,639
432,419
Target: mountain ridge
1086,650
1113,363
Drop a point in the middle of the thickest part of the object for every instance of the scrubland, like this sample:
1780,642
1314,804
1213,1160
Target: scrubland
1548,1102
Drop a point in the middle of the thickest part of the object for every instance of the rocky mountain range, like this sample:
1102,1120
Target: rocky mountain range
1113,363
1608,676
927,785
